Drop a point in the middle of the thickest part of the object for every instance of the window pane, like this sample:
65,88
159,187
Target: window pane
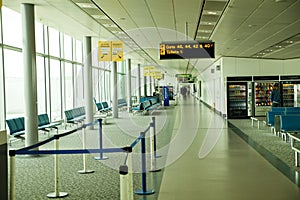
69,86
67,47
55,90
41,95
12,27
78,51
79,101
14,81
39,33
53,42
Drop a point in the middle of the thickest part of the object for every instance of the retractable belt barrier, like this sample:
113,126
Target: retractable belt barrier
126,180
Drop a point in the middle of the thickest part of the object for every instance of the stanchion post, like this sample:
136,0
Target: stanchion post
123,171
101,157
152,148
56,192
144,190
12,175
84,171
130,176
154,136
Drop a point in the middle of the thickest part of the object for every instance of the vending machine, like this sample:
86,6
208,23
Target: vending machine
239,97
290,90
262,88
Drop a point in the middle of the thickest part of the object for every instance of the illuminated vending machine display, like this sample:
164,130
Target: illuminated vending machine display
262,97
237,100
290,90
288,94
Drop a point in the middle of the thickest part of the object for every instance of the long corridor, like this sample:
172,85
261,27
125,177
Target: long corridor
216,164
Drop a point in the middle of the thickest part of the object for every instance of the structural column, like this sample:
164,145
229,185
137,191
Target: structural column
88,82
145,86
129,85
30,79
139,83
150,85
114,89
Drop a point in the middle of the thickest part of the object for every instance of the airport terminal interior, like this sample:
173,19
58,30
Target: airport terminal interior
150,99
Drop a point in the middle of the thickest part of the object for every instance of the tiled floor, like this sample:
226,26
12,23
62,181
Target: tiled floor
217,164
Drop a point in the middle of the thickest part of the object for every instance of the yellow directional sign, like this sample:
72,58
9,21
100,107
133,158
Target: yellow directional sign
104,51
149,68
117,48
157,75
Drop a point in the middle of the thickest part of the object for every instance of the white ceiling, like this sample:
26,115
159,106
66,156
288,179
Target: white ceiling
240,28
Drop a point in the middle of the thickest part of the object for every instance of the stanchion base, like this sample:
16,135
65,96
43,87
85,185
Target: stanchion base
59,195
155,170
140,192
85,171
101,158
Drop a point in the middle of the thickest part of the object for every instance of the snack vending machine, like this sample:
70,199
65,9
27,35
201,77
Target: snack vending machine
262,97
237,96
290,90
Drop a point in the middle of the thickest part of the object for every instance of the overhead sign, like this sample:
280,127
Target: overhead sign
186,50
148,70
157,75
104,51
117,48
110,51
183,75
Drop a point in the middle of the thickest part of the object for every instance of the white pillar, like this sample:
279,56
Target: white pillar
139,83
88,82
114,89
30,79
145,86
129,85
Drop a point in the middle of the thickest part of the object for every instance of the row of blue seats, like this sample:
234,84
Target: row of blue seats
147,104
75,115
17,127
103,107
281,111
284,120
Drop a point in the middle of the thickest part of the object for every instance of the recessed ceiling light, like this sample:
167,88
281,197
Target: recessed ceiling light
212,13
86,5
109,25
100,16
289,41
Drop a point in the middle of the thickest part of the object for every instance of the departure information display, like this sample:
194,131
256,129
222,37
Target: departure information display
186,50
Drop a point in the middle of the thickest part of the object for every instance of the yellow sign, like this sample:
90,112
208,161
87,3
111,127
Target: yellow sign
148,70
157,75
117,48
104,51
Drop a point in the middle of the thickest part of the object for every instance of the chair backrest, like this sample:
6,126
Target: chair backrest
43,119
147,104
290,122
69,114
12,126
99,106
20,123
105,104
271,116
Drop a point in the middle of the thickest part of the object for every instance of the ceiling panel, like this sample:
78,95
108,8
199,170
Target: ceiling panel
244,29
